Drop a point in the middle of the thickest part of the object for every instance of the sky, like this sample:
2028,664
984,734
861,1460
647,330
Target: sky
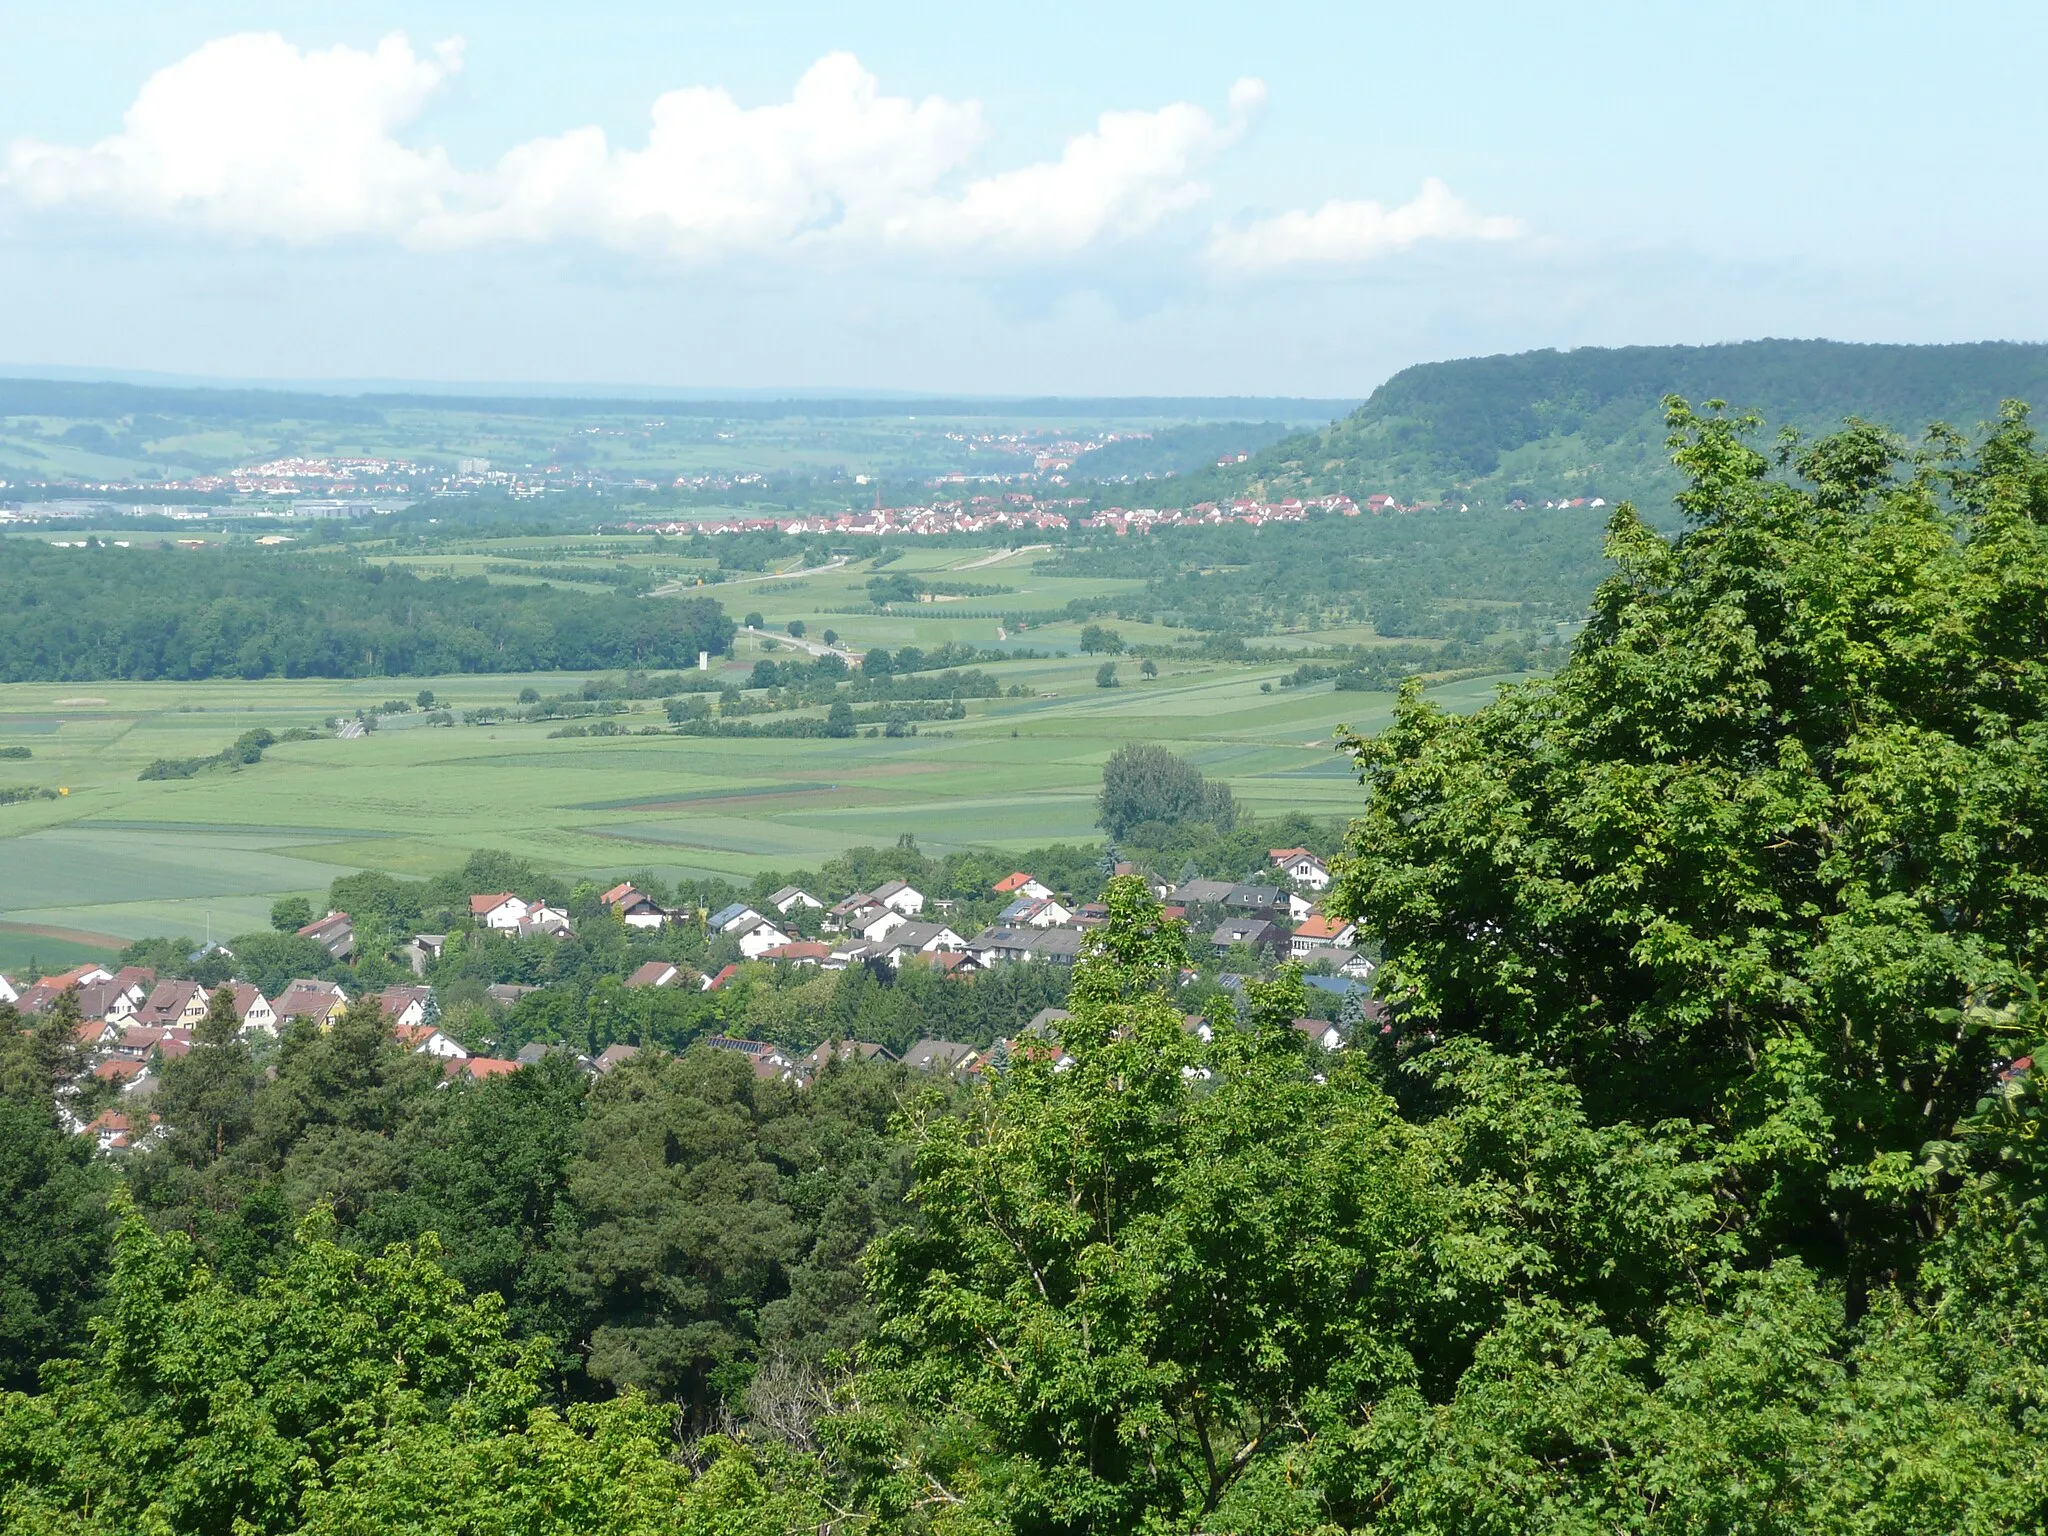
1133,198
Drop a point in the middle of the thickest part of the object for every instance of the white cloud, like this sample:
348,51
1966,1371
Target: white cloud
1132,172
254,135
1346,232
250,133
718,179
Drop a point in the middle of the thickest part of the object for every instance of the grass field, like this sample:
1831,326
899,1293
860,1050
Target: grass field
116,858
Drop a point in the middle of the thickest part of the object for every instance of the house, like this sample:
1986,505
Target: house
1321,935
173,1004
116,1132
497,909
129,1073
1305,869
612,1057
139,1042
335,933
940,1056
633,907
655,973
791,897
425,1040
874,922
1205,893
1056,946
1265,900
948,962
1325,1034
919,939
770,1062
405,1007
757,936
800,952
843,1050
722,979
1035,912
478,1068
95,1034
1021,884
424,950
1255,931
543,922
999,945
506,994
729,917
899,896
321,1001
1346,962
107,1000
39,995
253,1009
9,992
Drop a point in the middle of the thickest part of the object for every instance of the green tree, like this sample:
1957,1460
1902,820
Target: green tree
796,628
755,621
1737,858
208,1095
54,1230
1105,675
1144,783
289,914
839,719
1148,667
1095,639
347,1394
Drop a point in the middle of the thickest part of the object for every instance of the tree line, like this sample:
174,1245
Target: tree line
142,614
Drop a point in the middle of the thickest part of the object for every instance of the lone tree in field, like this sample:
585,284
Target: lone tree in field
1142,782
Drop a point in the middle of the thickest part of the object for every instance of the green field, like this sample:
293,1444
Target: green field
121,858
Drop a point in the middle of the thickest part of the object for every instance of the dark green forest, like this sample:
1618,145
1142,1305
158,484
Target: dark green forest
1589,422
140,614
1694,1180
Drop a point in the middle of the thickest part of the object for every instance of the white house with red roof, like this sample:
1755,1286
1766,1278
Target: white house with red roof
1022,884
1302,867
1321,933
498,909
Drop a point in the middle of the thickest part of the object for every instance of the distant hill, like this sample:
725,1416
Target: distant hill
1545,425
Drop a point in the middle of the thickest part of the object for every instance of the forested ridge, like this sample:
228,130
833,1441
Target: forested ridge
140,614
1695,1182
1559,425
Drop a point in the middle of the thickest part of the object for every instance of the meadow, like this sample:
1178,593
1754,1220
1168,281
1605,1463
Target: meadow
116,857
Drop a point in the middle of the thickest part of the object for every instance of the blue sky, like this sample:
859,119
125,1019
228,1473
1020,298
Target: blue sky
1189,198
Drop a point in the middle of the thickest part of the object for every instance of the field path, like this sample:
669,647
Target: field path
672,588
998,557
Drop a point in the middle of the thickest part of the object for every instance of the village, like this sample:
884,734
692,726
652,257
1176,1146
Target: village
126,1022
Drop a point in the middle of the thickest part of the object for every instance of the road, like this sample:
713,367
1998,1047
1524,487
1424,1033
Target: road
816,648
998,557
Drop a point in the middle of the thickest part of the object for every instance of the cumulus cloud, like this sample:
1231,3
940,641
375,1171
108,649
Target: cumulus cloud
1347,232
255,135
718,179
250,133
1132,172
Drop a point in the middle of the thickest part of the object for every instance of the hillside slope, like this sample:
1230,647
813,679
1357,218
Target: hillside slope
1544,425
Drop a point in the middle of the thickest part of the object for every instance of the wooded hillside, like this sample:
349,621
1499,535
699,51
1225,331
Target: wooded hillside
1557,425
